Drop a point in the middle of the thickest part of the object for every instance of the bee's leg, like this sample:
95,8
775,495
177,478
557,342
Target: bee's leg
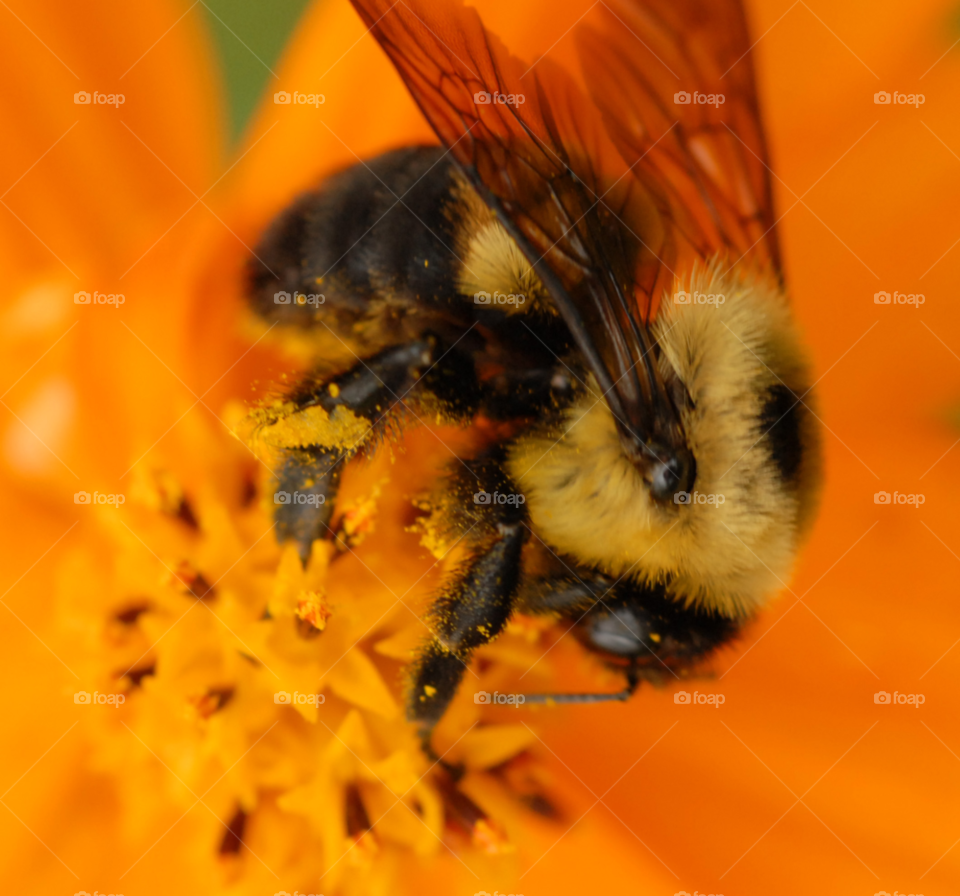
574,598
525,392
633,681
325,423
650,635
312,474
472,611
475,605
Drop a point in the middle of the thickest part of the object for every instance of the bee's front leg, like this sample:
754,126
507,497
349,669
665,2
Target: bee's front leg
306,491
322,425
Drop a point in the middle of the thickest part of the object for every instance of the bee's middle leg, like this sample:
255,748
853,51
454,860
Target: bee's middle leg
477,601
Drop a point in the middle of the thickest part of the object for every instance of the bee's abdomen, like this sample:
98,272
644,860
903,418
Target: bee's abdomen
383,229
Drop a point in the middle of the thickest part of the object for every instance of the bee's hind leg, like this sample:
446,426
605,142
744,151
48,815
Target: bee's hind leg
647,634
325,423
574,597
633,681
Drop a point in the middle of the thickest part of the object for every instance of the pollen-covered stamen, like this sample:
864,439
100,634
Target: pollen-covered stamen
194,582
233,835
312,614
363,842
357,820
136,676
131,613
212,701
357,519
529,782
463,813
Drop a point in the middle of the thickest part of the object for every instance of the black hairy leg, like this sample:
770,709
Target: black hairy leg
477,601
313,473
527,392
637,627
324,423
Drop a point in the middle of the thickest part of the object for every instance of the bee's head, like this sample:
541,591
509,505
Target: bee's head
717,518
752,435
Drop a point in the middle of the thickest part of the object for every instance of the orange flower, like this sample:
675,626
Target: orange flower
203,778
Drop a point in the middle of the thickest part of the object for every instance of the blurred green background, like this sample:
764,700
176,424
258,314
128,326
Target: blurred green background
249,36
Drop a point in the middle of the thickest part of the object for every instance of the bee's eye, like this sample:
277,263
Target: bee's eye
671,473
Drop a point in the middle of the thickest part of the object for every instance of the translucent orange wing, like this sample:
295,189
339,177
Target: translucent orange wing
538,152
674,82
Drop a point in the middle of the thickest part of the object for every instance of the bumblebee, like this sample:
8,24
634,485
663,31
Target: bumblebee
588,264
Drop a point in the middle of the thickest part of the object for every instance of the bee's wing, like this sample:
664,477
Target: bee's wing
642,62
601,239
